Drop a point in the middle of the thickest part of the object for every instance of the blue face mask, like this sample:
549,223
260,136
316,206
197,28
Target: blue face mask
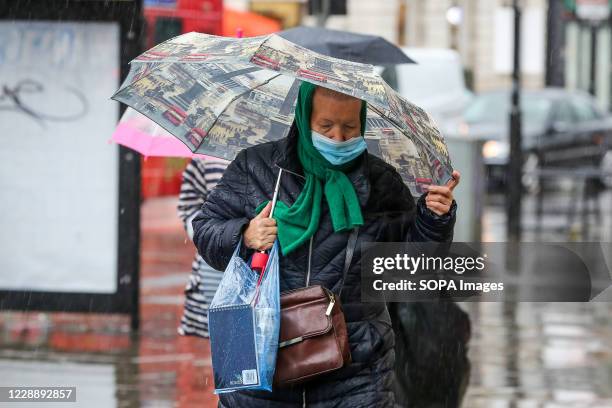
338,152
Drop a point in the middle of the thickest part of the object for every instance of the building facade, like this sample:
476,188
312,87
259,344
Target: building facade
587,54
482,32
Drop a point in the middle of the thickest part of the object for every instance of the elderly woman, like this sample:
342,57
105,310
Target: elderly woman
329,186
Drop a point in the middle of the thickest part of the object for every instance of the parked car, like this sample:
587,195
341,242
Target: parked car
435,83
561,129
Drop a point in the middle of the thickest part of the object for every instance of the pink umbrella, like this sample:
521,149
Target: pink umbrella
140,133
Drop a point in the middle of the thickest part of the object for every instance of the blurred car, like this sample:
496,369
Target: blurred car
435,83
561,129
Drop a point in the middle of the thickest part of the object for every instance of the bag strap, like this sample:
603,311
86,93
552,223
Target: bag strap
350,250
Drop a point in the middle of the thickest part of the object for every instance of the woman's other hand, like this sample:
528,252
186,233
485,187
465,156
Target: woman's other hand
261,232
440,198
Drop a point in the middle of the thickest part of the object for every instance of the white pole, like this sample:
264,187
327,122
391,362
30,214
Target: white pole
276,188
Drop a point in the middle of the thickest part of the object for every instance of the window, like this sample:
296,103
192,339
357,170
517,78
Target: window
564,113
584,110
495,108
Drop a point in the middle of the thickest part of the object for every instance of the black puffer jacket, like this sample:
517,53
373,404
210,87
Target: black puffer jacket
390,214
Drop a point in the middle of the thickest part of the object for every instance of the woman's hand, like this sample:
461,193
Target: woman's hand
261,232
440,198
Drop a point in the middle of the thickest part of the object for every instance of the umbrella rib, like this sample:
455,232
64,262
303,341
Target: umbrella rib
160,66
424,142
267,81
388,117
163,64
393,122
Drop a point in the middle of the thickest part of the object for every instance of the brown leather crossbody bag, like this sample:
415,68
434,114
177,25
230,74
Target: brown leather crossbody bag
313,336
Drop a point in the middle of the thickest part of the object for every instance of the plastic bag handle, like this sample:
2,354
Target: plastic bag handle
261,277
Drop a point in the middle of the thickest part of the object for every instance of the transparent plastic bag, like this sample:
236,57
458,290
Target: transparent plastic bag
244,324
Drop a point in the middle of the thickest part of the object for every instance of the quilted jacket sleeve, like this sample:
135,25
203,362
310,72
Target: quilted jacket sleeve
429,226
416,223
221,220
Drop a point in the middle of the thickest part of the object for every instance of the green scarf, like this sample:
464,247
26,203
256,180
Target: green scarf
296,224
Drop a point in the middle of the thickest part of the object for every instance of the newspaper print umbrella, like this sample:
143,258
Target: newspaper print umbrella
219,95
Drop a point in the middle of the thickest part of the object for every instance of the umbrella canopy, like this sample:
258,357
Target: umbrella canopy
140,133
366,49
219,95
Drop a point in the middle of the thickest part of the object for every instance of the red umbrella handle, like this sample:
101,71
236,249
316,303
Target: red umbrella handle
259,261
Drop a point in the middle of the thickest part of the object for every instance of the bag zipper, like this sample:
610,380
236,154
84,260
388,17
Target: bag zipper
330,307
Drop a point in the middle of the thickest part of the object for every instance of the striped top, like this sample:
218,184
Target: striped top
199,178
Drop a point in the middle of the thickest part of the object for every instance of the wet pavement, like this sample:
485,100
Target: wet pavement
540,355
543,355
96,353
523,355
556,224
